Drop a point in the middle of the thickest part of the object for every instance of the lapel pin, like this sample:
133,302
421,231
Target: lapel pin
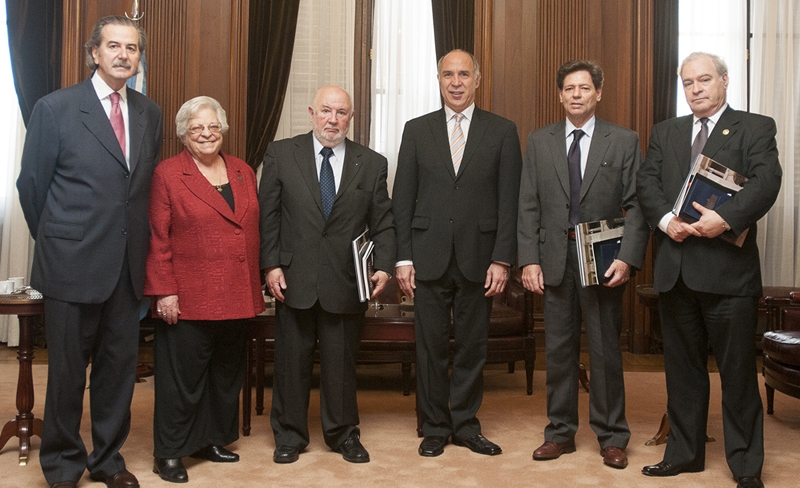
726,132
239,177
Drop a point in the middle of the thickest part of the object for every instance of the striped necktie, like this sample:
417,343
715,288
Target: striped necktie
457,143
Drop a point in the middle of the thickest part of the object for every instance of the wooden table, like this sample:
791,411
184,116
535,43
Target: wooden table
25,424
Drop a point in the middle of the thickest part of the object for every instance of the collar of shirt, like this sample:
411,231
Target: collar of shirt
712,122
465,122
104,94
337,160
586,139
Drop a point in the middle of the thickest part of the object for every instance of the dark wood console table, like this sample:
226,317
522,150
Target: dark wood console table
25,424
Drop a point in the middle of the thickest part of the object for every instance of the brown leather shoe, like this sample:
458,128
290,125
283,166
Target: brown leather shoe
553,450
615,457
120,479
65,484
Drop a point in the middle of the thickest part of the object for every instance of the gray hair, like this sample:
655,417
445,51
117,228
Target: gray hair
189,109
475,65
719,64
97,36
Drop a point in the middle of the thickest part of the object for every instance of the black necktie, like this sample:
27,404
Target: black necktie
575,178
699,141
327,185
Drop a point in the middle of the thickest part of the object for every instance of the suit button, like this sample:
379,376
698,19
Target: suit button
568,205
124,232
455,187
451,220
241,259
325,234
237,231
127,174
566,232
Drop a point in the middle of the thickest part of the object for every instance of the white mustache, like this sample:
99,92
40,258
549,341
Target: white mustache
121,64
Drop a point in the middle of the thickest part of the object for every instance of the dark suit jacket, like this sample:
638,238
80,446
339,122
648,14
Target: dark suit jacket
609,186
83,206
315,254
201,250
474,213
745,143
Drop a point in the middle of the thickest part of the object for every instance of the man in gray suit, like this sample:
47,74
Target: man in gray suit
84,185
318,192
455,203
581,169
709,288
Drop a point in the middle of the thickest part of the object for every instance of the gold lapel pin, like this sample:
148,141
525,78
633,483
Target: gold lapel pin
726,132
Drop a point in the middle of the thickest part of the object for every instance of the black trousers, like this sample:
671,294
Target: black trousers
691,321
199,370
297,332
449,404
107,334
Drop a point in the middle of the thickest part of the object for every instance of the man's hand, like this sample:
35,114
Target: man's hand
405,278
379,279
276,283
533,279
678,230
496,278
619,272
710,224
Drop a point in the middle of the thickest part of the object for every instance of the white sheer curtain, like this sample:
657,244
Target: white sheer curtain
323,55
717,27
776,92
404,83
16,245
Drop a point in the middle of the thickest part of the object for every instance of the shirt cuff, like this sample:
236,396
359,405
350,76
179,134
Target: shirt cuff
664,222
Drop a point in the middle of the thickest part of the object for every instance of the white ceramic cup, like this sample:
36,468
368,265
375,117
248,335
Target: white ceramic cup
19,282
6,287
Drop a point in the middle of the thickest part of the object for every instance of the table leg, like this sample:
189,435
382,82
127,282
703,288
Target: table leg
25,424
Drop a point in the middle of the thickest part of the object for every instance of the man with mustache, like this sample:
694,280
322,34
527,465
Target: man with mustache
709,288
318,192
89,155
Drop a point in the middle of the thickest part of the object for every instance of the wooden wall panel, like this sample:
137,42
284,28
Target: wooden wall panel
195,47
522,43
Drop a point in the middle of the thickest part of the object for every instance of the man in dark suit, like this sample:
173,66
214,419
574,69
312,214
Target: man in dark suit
89,155
455,204
599,184
709,288
318,192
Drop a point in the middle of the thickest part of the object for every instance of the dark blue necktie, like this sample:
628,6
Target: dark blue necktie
575,178
327,185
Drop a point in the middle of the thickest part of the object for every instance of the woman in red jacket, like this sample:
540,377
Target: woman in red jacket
203,275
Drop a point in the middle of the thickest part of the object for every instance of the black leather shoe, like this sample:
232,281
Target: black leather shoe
432,446
285,454
121,479
216,454
479,444
352,450
170,469
666,469
749,482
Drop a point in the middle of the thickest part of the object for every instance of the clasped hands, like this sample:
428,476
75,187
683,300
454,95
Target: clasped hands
710,225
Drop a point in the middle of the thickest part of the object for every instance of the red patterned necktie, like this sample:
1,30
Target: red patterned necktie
117,122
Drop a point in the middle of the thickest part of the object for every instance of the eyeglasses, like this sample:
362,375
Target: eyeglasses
198,129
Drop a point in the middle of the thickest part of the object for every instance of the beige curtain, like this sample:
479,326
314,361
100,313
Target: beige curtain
776,92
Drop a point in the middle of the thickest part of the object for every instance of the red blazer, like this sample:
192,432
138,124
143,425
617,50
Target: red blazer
200,250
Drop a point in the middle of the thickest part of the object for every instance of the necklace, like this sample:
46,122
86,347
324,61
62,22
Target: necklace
221,178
